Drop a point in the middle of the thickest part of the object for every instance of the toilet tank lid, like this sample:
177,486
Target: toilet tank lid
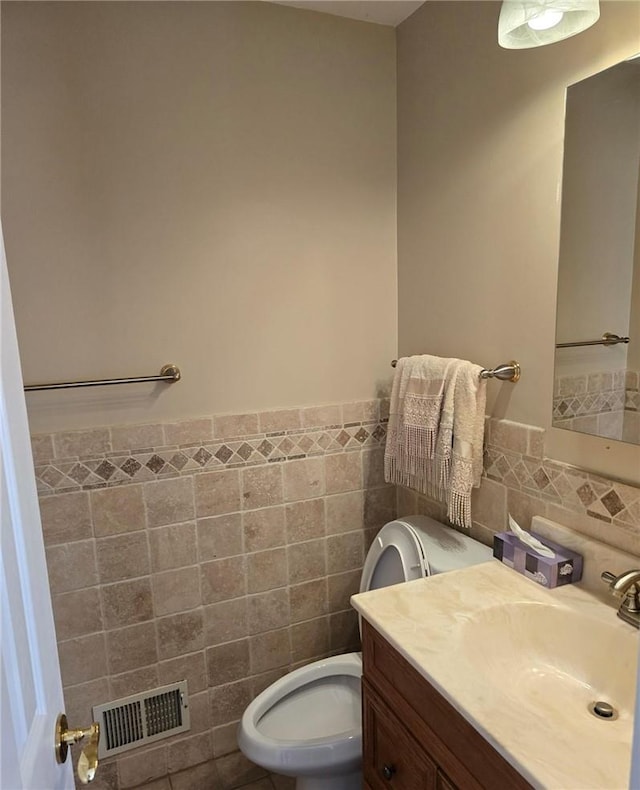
444,548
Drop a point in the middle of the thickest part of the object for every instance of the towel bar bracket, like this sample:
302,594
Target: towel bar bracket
508,372
170,372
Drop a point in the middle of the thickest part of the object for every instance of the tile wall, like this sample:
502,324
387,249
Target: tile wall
519,480
225,550
221,549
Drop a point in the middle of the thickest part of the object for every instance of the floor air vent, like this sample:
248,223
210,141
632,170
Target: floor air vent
142,718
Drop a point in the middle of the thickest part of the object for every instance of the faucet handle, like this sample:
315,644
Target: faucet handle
627,587
620,585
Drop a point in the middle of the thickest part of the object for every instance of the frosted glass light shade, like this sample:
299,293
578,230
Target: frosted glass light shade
515,32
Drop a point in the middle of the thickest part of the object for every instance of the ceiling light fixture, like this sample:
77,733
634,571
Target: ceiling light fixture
534,23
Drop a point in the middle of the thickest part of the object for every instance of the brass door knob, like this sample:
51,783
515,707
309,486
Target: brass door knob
88,760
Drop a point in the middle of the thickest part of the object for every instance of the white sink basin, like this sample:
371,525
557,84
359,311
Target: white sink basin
555,658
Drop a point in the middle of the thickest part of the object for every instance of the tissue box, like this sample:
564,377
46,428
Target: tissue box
564,568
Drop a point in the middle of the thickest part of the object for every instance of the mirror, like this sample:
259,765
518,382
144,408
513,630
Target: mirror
597,358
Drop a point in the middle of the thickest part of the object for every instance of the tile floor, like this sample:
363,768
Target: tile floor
205,777
272,782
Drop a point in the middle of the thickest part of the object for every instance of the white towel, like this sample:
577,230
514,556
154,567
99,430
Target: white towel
470,399
436,430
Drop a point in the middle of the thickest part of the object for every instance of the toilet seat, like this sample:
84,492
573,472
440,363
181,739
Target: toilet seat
291,755
396,555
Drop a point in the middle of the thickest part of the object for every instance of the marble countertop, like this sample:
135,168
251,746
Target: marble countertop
521,663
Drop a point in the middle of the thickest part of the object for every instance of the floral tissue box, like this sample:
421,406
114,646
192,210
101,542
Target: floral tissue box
564,568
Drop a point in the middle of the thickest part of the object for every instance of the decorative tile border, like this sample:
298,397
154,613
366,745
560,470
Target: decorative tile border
598,404
572,488
588,404
513,457
588,394
517,479
56,475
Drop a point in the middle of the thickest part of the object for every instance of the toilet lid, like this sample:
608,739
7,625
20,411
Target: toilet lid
396,555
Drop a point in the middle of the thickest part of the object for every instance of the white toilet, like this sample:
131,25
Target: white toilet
308,723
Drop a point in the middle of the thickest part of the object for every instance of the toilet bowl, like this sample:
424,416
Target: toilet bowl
308,723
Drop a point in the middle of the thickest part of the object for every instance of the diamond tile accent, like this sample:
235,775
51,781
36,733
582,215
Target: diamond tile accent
202,457
342,438
587,497
52,476
179,461
541,479
79,473
223,454
305,443
265,448
131,466
155,463
286,446
245,451
105,470
362,435
612,502
379,433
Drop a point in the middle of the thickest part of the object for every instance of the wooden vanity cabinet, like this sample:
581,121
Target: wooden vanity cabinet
413,738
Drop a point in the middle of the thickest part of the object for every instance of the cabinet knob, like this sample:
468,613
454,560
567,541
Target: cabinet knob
388,771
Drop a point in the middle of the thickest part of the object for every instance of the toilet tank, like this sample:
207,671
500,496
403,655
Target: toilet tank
445,549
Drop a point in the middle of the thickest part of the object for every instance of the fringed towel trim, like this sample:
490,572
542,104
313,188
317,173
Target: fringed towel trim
436,431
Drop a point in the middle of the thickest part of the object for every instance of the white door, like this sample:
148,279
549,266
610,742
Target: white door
31,693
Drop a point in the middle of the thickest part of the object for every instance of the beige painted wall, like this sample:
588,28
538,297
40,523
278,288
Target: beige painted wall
480,138
210,184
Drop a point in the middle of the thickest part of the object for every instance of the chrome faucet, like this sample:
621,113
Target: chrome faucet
627,587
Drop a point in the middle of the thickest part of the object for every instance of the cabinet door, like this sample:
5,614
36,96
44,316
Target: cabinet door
393,760
443,782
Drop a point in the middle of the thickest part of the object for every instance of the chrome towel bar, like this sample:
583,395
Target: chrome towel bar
169,373
506,372
608,339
